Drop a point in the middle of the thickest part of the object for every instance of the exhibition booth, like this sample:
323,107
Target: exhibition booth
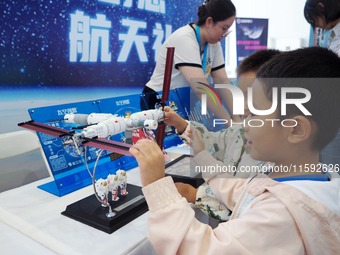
83,59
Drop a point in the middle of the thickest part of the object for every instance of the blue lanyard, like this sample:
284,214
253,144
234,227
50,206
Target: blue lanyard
204,60
307,177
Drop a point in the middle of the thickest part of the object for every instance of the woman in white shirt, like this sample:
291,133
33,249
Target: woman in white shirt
198,55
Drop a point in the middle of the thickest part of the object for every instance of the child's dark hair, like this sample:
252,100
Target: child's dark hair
317,70
218,10
327,9
255,60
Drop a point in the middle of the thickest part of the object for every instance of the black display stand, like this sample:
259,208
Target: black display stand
89,210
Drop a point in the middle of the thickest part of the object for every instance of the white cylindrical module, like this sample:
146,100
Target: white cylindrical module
106,128
87,119
95,118
137,119
76,118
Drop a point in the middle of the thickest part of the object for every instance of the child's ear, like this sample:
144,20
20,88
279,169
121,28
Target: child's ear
302,131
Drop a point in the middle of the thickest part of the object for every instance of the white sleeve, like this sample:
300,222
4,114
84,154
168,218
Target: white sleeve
186,48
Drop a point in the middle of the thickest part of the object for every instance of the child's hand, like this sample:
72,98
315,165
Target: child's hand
187,191
150,160
196,141
173,119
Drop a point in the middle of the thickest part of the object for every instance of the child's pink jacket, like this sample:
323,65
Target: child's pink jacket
268,218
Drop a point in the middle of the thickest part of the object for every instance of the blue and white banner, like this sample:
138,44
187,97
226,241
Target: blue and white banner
86,42
65,51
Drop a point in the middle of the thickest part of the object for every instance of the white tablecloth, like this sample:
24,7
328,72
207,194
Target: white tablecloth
31,223
14,242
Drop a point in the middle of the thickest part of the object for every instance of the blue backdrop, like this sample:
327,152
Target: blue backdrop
55,52
93,42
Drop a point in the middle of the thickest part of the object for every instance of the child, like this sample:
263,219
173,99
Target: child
325,14
226,145
246,71
298,215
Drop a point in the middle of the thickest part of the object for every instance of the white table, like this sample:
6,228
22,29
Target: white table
14,242
31,223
